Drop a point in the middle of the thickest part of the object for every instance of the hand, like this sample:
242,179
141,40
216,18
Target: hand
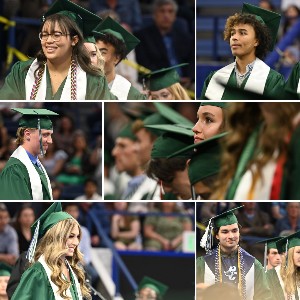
166,244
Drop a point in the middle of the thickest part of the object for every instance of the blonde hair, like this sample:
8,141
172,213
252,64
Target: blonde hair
289,274
20,135
178,92
53,246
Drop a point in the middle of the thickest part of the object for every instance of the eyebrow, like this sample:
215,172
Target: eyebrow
100,49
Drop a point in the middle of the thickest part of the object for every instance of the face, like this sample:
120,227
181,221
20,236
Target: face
146,294
90,188
73,241
126,154
34,140
108,53
4,219
57,51
293,209
243,41
164,16
145,145
120,205
181,186
3,285
91,48
210,119
229,236
163,94
202,190
274,258
73,211
296,256
27,217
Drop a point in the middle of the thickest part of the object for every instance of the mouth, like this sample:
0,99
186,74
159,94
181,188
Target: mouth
50,49
197,139
234,46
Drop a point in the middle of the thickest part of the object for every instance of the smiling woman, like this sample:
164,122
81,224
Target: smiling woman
63,64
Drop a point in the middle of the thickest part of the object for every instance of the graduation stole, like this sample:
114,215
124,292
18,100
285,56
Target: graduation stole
213,271
36,87
255,83
34,177
120,87
54,287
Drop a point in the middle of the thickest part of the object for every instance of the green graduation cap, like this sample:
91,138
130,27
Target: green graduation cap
38,118
266,17
174,138
5,270
164,77
85,20
206,158
110,26
166,115
126,132
139,112
48,219
153,284
288,242
218,104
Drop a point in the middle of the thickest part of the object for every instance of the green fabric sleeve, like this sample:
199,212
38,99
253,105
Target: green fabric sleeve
261,288
134,94
292,83
274,285
205,85
200,265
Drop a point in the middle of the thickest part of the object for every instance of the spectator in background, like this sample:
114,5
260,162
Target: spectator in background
56,190
5,272
129,11
278,210
291,222
10,148
267,4
163,232
3,137
9,247
24,219
125,229
90,191
166,43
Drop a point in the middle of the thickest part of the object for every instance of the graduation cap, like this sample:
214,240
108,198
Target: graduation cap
47,220
266,17
5,270
126,132
166,115
218,104
153,284
85,20
164,77
174,138
110,26
139,112
269,244
226,218
205,160
38,118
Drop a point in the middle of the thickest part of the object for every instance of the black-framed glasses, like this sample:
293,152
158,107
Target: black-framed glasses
56,36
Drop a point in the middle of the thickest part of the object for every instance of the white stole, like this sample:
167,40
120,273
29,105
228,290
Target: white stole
81,84
256,81
34,177
54,286
120,87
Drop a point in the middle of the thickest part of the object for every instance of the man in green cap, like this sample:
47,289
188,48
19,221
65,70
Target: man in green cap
114,43
24,177
150,289
228,262
127,159
251,35
5,271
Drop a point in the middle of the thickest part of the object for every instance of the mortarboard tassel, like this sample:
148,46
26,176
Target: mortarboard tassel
265,257
33,243
206,240
286,251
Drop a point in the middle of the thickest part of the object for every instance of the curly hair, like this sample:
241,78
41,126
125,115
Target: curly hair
243,118
262,32
79,53
119,46
53,246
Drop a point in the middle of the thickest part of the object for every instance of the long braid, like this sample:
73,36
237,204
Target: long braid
73,80
37,83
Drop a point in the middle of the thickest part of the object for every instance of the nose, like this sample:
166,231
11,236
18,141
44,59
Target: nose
49,140
197,127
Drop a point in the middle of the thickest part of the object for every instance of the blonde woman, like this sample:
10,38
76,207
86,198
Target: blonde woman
54,272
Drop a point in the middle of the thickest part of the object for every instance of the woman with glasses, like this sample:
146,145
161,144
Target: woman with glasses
62,68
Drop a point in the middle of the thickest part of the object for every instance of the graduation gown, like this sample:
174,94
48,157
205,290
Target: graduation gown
35,285
256,283
275,284
271,83
14,86
292,85
15,182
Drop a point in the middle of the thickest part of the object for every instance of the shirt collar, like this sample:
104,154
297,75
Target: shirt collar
34,159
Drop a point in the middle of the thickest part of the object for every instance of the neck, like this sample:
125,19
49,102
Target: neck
3,297
59,67
242,62
110,76
135,172
228,251
28,149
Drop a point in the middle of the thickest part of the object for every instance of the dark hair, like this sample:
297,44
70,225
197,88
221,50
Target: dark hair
164,168
80,54
119,46
18,215
262,32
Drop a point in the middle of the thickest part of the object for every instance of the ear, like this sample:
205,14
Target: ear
256,43
116,59
187,163
75,40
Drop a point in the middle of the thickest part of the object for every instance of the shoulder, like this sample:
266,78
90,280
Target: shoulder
36,270
22,65
13,167
134,94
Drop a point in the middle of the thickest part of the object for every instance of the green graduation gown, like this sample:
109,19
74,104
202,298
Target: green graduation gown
35,285
14,86
274,87
292,85
134,94
15,182
275,285
260,289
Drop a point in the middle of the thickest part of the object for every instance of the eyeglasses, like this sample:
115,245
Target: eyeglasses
56,35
